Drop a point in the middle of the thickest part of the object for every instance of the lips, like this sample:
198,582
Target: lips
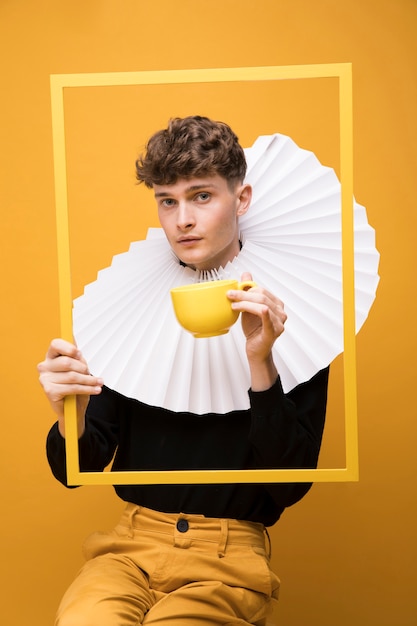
186,241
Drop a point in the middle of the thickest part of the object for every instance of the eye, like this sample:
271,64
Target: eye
168,202
203,196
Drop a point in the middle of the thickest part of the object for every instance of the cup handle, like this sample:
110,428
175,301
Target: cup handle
245,285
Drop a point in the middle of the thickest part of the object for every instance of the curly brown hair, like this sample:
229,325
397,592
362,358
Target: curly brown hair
190,147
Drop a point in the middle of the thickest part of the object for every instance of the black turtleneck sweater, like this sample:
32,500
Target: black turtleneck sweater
278,431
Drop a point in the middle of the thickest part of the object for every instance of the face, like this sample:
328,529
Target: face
200,219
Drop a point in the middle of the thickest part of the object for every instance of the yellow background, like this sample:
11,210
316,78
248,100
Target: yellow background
346,554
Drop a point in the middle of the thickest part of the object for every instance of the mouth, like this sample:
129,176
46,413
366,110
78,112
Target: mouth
188,241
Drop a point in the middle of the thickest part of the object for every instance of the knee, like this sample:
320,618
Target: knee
85,618
76,619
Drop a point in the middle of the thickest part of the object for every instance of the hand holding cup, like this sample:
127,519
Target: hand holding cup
204,309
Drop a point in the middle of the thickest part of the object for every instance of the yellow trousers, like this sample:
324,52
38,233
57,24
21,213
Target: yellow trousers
172,570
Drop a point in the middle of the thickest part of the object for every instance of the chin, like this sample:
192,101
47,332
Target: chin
186,262
199,262
193,262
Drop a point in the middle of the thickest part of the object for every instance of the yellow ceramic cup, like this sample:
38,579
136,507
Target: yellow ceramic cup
204,309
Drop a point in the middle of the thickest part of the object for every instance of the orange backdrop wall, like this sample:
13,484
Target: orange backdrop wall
346,554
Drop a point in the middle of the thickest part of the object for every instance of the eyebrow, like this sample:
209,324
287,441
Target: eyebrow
165,194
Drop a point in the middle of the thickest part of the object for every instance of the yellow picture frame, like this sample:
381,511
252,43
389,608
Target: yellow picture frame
341,71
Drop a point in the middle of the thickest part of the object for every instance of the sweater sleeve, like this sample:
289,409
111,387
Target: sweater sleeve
98,443
287,429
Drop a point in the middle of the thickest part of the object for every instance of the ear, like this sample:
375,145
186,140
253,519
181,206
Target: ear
244,195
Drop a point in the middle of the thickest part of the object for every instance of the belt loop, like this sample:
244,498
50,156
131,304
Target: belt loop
224,528
131,512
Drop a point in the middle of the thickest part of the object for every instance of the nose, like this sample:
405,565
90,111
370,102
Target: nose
185,216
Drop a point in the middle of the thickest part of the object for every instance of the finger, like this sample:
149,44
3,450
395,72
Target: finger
249,306
279,311
57,386
246,276
256,295
60,347
63,364
272,318
55,393
71,378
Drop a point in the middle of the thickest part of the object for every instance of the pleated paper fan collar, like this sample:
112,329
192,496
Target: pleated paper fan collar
126,328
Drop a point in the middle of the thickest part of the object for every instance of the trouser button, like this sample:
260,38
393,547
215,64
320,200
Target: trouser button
182,525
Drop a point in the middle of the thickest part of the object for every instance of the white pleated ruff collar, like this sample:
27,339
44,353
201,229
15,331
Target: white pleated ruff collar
126,328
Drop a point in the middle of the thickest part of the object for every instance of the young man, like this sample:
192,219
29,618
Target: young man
188,554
